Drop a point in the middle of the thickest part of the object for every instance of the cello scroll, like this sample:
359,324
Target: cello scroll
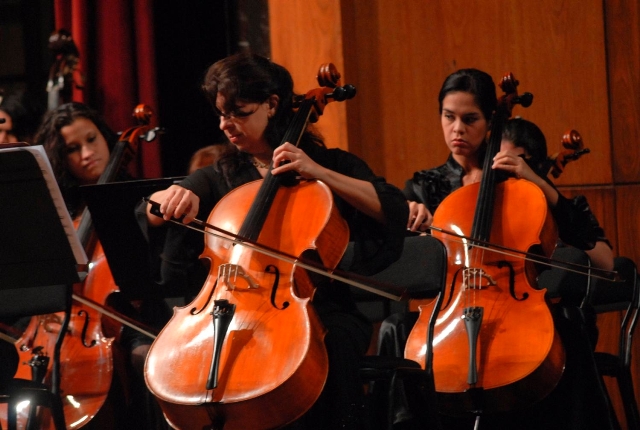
573,150
63,71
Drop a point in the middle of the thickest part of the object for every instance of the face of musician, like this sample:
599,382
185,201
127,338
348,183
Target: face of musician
86,150
463,124
245,125
6,133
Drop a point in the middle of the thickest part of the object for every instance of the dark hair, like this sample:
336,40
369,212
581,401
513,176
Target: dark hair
527,135
251,78
475,82
49,136
25,113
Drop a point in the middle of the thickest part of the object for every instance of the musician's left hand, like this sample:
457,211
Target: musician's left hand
512,161
289,157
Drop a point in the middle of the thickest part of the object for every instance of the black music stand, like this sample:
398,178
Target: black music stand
40,259
127,251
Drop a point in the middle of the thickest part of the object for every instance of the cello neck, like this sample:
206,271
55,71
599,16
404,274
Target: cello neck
483,215
259,210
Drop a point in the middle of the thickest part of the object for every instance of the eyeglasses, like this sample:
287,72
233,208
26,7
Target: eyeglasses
236,114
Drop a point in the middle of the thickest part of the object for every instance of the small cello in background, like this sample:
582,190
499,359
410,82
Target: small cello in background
86,358
573,150
64,73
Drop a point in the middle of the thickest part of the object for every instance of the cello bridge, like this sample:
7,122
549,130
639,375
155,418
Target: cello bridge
229,273
476,278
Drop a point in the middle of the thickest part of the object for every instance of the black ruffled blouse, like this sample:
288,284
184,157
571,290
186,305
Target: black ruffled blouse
577,225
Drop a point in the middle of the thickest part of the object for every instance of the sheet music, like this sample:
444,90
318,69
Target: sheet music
40,155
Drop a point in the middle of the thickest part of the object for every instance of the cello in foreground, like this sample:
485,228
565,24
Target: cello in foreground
248,351
495,347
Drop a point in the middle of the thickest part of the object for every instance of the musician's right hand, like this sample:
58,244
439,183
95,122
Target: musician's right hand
420,218
175,202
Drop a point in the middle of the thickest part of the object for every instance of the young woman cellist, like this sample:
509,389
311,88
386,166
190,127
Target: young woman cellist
79,144
252,97
429,187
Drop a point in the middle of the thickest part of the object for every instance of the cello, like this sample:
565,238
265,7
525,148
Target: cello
86,361
64,73
251,351
573,150
495,347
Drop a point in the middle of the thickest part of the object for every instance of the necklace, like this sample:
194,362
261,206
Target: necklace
475,177
259,164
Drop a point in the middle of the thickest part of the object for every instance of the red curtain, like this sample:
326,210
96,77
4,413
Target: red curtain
116,43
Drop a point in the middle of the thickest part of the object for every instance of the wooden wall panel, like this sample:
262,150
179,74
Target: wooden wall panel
406,49
628,221
623,49
304,35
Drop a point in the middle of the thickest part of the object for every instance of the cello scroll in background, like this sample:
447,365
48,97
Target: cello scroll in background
64,73
573,150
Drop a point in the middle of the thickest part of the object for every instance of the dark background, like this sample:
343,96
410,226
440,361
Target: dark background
188,38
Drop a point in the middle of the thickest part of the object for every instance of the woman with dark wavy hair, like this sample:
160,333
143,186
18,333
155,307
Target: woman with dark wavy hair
467,100
78,143
252,98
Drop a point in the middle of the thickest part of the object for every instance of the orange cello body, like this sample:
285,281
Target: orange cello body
273,362
519,356
86,356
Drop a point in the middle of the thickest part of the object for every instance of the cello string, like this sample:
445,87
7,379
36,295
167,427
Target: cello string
606,275
120,319
310,266
289,259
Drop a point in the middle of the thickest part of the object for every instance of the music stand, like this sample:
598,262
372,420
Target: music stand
40,259
39,245
112,208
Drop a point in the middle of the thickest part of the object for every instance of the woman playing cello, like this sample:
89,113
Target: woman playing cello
253,99
464,100
79,143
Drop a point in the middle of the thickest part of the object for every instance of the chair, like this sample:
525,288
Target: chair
612,297
587,292
40,260
421,269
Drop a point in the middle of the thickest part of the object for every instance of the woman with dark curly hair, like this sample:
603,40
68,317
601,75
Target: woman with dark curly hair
78,143
253,99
